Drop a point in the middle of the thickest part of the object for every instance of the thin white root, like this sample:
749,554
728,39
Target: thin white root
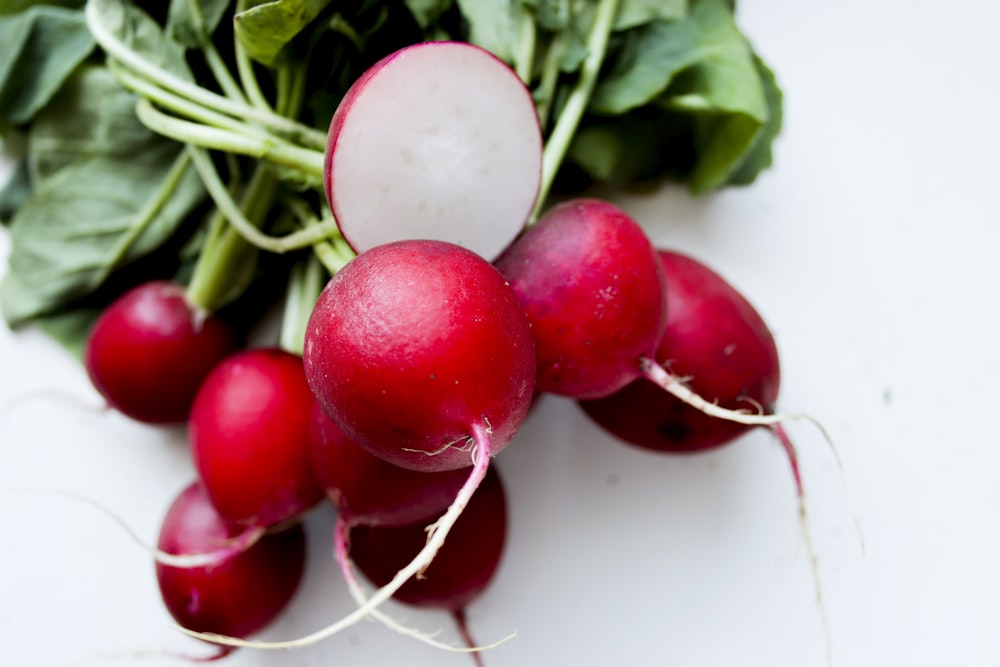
654,372
357,593
226,549
481,461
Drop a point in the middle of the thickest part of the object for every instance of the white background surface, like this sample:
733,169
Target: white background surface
871,249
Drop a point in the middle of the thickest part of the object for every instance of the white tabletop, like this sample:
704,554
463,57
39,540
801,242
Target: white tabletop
870,248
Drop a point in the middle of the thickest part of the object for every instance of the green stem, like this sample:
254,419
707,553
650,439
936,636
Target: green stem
226,254
220,195
308,162
247,71
333,251
569,118
546,91
524,59
118,50
304,285
182,106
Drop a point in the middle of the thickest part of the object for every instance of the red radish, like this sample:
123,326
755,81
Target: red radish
249,434
462,569
238,596
419,352
149,351
416,345
715,337
368,490
439,140
595,292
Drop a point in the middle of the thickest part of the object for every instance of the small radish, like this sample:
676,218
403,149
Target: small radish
237,596
439,140
368,490
249,432
420,352
462,569
715,337
595,292
149,351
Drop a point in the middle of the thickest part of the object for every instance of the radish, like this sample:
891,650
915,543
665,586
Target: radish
463,568
438,140
595,292
150,349
419,352
717,339
249,432
368,490
237,596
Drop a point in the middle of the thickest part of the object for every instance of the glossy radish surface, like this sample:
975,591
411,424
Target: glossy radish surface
413,346
464,566
593,288
242,594
439,140
249,434
716,339
149,351
369,490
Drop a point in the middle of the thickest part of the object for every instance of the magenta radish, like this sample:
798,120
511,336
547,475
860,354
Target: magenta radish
149,351
415,346
249,433
238,596
595,292
368,490
714,337
439,140
420,352
463,568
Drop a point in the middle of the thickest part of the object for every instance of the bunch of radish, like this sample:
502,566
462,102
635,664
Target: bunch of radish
422,357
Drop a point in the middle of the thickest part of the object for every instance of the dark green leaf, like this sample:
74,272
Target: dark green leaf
70,327
266,28
648,59
633,13
760,155
426,12
15,191
137,30
41,48
8,7
191,21
91,115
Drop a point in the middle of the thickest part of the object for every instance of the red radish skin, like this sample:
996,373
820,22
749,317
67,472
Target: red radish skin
439,140
249,434
149,351
238,596
420,352
595,292
368,490
411,344
714,337
462,570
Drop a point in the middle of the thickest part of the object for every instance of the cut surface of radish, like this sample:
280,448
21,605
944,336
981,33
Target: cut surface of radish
439,140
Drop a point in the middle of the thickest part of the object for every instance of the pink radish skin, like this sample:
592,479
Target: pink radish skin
411,344
439,140
715,337
594,290
249,434
462,570
368,490
420,352
149,351
238,596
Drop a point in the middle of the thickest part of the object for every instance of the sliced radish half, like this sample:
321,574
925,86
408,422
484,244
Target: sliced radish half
439,140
